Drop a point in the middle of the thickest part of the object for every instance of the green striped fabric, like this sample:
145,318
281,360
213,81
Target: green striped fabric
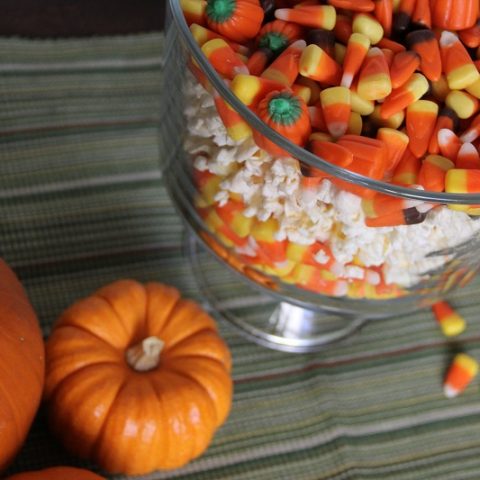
82,204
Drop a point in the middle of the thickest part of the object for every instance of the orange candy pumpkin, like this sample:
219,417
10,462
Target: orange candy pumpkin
57,473
21,365
137,379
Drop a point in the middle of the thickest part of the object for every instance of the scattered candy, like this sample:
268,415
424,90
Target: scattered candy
462,371
450,321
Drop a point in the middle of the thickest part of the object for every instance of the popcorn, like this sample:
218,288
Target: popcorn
271,187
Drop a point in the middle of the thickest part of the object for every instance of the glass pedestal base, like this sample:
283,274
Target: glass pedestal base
263,318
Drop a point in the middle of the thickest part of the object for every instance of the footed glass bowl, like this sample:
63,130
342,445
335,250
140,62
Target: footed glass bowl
296,260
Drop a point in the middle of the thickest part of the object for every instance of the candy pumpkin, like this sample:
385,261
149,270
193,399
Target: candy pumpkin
57,473
137,378
21,365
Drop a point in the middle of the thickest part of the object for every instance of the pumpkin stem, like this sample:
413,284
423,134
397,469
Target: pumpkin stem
145,355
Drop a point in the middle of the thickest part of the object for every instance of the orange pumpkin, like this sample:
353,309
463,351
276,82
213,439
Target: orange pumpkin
21,365
137,379
57,473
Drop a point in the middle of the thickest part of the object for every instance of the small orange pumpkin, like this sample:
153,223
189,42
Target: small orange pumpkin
21,365
137,379
57,473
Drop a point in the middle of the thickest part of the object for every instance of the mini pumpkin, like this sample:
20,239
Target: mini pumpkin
137,379
57,473
21,365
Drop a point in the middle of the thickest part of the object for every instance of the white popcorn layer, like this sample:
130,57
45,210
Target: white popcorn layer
270,187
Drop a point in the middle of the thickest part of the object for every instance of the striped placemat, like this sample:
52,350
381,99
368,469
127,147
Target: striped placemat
82,204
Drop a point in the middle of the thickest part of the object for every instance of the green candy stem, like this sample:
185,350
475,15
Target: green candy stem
274,41
220,11
284,109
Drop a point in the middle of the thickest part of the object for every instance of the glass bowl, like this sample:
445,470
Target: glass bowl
284,256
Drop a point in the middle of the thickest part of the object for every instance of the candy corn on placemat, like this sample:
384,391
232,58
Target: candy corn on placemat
82,204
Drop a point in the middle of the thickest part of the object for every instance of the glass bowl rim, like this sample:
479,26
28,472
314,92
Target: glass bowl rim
297,152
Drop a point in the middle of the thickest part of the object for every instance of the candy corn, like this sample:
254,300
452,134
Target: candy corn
468,157
284,69
450,321
381,205
223,58
406,171
440,88
461,372
471,36
409,216
259,60
384,14
462,103
203,35
420,122
368,26
316,64
460,180
360,105
472,132
403,17
403,66
374,78
396,143
236,126
357,48
447,119
354,5
405,95
332,152
457,64
336,106
194,11
448,143
313,16
355,123
432,172
426,45
251,89
421,14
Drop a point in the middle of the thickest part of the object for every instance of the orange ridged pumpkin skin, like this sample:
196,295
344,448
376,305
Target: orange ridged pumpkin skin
133,421
57,473
21,365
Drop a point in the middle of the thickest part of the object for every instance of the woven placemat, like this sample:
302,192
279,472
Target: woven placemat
82,204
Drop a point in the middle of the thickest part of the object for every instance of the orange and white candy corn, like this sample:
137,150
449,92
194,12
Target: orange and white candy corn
369,26
374,78
360,105
468,157
421,118
223,58
313,16
461,372
336,106
448,143
316,64
284,69
459,68
450,321
403,66
357,48
472,132
446,119
403,96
